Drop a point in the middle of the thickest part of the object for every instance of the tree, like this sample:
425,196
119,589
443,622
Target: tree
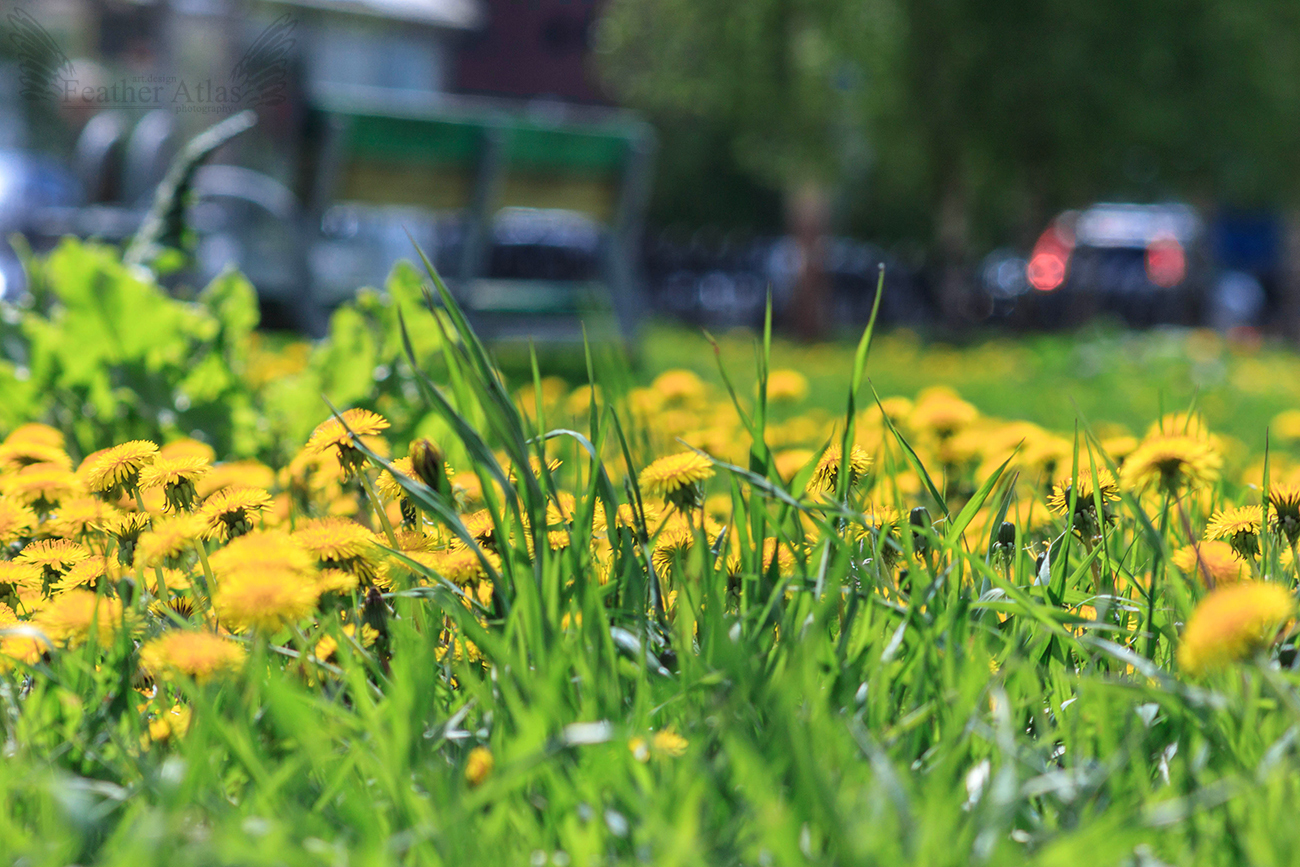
786,77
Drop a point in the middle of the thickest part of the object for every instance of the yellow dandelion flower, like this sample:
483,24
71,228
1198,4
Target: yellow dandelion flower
534,465
1232,623
229,512
1187,424
236,474
1286,424
625,516
1171,462
35,432
14,455
677,538
580,400
414,540
826,476
200,655
882,517
169,541
116,471
1239,527
76,517
786,386
560,511
42,486
1214,559
784,556
175,580
478,765
336,581
1086,521
70,617
897,409
271,550
1284,497
669,743
84,574
387,486
332,436
335,539
54,556
468,491
941,412
16,520
172,724
461,566
126,528
481,528
718,507
188,449
177,478
677,478
1119,447
21,648
264,599
340,543
679,386
19,575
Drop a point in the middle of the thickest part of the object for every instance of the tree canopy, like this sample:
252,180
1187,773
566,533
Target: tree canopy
983,116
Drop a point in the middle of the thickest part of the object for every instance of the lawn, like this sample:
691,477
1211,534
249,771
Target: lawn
374,601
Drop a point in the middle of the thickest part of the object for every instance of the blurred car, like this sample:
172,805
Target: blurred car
1144,264
28,183
723,281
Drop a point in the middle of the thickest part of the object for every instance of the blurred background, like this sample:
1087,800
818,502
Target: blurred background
1012,166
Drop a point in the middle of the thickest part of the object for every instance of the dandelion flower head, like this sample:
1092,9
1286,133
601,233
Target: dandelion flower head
1232,623
1215,558
200,655
116,471
1172,462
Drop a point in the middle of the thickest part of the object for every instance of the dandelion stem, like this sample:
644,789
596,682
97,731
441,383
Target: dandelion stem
209,578
379,508
157,570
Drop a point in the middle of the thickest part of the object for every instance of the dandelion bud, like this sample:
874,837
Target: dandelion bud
427,462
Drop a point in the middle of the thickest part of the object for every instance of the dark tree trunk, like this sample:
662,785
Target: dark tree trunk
808,210
953,236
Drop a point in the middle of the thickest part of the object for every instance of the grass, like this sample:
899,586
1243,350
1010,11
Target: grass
890,690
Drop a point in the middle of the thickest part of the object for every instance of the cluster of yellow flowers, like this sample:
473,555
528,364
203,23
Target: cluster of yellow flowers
188,559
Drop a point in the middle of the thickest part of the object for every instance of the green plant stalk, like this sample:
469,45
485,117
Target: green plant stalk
157,570
379,508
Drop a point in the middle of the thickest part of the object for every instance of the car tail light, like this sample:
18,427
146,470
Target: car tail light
1050,261
1166,263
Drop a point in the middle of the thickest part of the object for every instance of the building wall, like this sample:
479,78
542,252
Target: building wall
531,49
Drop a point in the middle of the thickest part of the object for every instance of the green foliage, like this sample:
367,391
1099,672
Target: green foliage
105,354
961,711
967,122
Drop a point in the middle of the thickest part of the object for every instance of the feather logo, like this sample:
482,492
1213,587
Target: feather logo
44,71
262,74
260,78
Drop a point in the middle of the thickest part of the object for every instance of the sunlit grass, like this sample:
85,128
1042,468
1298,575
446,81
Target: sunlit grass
863,620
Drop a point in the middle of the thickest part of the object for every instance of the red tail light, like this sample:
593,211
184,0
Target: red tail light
1166,263
1050,261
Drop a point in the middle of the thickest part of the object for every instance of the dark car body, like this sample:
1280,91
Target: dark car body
1143,265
